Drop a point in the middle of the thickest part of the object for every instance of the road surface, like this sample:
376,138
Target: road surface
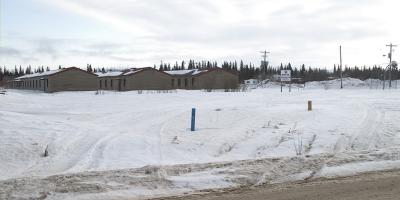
378,185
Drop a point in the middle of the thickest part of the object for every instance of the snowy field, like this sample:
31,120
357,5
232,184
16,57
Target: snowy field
111,145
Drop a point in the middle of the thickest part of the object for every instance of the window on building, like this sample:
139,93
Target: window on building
192,81
179,82
124,83
47,82
186,82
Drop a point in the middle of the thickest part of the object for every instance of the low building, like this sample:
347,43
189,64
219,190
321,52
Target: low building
134,79
66,79
251,83
195,79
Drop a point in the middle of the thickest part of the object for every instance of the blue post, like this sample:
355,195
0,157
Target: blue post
193,119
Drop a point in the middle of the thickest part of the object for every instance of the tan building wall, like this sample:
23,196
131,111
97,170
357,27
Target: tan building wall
147,79
214,79
150,79
72,80
28,84
108,83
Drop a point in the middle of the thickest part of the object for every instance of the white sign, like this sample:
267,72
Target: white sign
286,75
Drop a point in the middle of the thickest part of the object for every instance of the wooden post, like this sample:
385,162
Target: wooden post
309,105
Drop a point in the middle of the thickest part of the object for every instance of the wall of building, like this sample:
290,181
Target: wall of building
109,83
182,82
72,80
144,80
148,80
215,79
27,84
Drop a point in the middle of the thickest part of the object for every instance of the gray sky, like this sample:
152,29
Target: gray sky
139,33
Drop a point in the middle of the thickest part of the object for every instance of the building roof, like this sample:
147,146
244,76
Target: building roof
186,72
50,73
46,73
121,73
109,74
196,72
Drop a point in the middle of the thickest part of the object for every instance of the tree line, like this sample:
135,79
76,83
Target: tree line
245,71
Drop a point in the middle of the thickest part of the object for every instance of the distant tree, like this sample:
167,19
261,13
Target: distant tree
183,65
28,70
89,68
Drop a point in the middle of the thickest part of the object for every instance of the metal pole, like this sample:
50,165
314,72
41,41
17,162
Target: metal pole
341,75
383,78
390,66
193,121
264,65
390,62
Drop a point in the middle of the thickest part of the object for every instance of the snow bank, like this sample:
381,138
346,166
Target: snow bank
348,83
335,84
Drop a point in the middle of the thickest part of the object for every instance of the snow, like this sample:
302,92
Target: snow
110,74
240,138
186,72
133,71
46,73
118,73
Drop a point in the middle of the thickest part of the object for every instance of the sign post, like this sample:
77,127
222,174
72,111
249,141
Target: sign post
286,76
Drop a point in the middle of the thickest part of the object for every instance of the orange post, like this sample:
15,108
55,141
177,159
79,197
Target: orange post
309,105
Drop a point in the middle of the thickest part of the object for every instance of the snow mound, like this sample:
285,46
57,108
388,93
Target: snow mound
348,83
335,84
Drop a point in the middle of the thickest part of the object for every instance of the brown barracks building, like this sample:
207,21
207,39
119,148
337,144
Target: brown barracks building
196,79
75,79
67,79
134,79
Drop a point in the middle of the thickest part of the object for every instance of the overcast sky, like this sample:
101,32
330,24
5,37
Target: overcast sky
140,33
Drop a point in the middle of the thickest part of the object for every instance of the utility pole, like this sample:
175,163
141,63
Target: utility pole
390,62
264,64
341,74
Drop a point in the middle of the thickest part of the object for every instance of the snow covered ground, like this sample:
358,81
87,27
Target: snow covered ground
113,145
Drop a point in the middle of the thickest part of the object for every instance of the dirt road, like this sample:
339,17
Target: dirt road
378,185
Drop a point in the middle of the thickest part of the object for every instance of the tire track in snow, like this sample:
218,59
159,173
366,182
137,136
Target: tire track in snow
360,140
369,135
96,153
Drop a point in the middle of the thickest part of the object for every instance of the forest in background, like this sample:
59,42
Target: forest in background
245,71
